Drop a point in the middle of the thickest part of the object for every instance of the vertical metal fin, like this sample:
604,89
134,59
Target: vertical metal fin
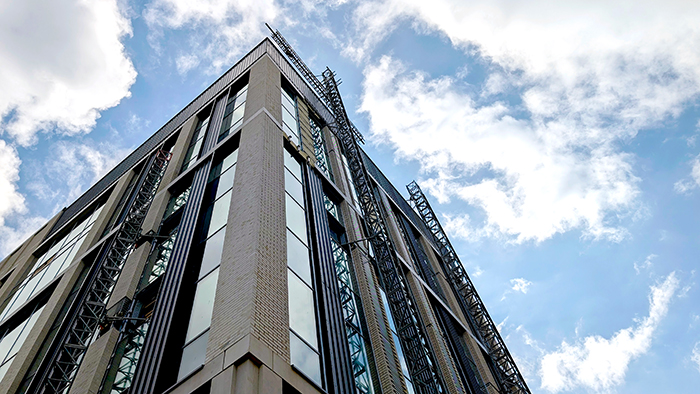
508,372
91,307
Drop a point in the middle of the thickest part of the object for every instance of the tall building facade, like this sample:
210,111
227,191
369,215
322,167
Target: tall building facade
248,246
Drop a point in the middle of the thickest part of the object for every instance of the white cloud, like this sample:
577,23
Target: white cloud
589,77
520,284
695,356
532,179
220,30
600,364
185,63
62,63
646,264
684,186
11,201
72,169
459,226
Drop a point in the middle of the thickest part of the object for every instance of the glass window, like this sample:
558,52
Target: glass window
203,305
193,356
212,252
195,147
305,358
226,181
233,115
229,160
293,187
219,214
298,257
177,202
51,264
296,218
301,309
13,338
292,165
290,123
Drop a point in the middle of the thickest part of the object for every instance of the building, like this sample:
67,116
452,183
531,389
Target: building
247,247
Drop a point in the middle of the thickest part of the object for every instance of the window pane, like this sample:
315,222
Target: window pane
296,219
219,215
193,356
301,309
292,165
288,101
229,160
25,332
225,181
237,114
242,96
212,252
289,119
293,187
304,358
203,305
9,340
298,257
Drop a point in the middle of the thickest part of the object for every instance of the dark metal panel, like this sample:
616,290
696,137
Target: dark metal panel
214,125
154,346
337,355
162,134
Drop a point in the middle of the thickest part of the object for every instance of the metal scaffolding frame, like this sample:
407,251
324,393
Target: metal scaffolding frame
90,308
508,373
420,357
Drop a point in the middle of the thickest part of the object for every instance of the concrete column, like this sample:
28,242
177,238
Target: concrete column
94,365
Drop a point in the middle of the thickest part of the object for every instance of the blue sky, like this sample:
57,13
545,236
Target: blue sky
560,143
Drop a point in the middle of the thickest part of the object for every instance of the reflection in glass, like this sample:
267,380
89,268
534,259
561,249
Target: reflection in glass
298,257
296,218
293,187
212,252
203,305
51,264
193,356
292,165
305,358
219,214
301,310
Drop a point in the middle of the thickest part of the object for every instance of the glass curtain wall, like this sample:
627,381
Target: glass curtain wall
195,147
303,337
350,301
290,118
233,116
217,200
51,263
13,336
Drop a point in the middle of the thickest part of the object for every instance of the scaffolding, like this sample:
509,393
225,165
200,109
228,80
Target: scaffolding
90,308
507,372
420,357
